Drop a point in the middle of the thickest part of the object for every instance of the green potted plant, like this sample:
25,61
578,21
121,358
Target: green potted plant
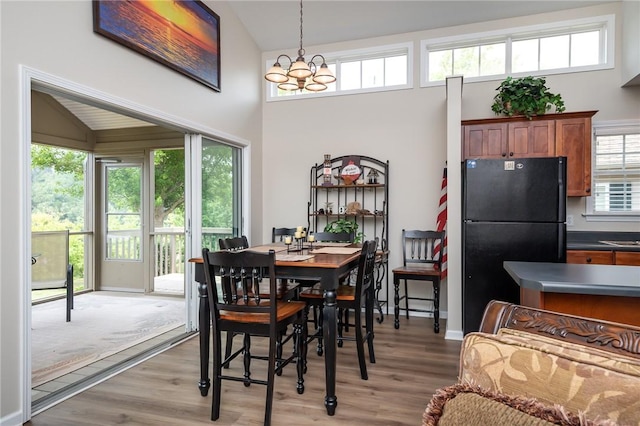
526,96
345,225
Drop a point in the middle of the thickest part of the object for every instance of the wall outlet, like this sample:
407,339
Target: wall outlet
569,220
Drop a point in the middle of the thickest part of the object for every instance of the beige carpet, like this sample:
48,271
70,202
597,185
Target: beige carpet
102,324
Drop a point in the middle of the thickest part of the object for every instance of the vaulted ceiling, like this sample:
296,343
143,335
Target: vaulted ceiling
275,25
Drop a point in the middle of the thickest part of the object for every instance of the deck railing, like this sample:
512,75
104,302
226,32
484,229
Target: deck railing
169,244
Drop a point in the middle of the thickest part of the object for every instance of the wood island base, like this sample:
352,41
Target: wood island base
622,309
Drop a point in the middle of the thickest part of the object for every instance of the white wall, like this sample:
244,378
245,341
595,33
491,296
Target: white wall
408,128
57,38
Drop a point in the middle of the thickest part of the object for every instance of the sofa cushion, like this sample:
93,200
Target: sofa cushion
617,362
463,404
568,374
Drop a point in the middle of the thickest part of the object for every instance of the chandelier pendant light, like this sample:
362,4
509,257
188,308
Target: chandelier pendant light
300,74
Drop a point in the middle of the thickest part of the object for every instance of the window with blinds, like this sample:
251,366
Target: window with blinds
616,169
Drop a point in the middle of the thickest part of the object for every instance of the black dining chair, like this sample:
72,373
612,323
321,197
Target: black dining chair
278,234
421,262
352,297
285,290
233,243
234,281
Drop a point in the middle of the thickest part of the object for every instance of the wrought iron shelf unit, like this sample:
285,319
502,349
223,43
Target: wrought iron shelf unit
372,217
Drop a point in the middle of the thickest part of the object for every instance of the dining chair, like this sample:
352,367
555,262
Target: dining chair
422,261
352,297
233,285
285,290
233,243
278,234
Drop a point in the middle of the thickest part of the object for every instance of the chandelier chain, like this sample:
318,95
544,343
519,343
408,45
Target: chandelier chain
301,51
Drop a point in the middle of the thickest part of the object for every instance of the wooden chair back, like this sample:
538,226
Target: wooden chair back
233,285
419,248
365,279
233,243
278,234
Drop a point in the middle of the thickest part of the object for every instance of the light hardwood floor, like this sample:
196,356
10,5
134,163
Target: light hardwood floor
411,363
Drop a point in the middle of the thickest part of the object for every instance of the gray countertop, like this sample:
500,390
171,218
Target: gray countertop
609,280
591,240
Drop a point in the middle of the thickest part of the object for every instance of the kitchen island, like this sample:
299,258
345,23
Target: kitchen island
608,292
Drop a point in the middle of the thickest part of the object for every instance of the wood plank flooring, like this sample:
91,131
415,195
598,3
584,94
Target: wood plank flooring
411,363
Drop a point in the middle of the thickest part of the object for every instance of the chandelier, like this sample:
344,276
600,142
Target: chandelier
300,74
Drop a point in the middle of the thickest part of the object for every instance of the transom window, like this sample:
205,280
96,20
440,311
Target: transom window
551,48
365,70
616,170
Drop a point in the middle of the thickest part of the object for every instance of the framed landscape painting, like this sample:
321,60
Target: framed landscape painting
183,35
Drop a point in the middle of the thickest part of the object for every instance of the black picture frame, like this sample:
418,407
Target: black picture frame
183,35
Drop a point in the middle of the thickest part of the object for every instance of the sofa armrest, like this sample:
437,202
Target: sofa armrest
613,337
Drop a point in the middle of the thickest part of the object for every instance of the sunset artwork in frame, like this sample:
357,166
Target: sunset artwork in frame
183,35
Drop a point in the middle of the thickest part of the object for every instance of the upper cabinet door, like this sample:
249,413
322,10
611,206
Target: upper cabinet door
485,141
573,140
532,139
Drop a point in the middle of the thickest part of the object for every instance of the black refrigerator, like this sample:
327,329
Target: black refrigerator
512,209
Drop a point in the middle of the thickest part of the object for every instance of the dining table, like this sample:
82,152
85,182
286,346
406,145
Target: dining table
325,263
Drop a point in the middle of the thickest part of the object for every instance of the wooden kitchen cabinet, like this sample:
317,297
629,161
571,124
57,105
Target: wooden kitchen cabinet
505,140
594,257
550,135
631,258
604,257
573,140
485,140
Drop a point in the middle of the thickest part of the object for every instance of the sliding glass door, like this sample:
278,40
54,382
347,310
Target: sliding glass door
215,192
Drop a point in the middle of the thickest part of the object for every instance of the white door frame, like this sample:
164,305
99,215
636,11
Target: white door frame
31,78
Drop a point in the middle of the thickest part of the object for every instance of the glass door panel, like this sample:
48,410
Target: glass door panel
124,253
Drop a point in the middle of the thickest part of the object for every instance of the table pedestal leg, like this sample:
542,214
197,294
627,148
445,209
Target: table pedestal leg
329,330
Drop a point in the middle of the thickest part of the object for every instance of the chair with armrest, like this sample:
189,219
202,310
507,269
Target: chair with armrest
50,264
237,306
421,262
352,297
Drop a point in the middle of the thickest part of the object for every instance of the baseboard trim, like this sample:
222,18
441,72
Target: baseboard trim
13,419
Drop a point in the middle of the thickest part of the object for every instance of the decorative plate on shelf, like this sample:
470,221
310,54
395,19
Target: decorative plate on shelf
350,173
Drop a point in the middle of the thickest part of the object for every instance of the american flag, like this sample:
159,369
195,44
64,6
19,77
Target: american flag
441,223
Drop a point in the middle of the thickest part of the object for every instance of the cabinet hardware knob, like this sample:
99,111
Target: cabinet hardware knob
511,154
588,260
504,154
588,190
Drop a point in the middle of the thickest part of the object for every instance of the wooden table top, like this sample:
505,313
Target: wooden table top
319,260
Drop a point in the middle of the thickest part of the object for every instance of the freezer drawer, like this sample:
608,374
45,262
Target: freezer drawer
487,245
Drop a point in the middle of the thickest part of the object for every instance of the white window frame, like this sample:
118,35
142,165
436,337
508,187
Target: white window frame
602,129
607,46
348,56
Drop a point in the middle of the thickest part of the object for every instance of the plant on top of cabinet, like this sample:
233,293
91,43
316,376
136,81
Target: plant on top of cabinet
526,96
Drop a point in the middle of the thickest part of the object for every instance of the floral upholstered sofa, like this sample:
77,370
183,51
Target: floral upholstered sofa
528,366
